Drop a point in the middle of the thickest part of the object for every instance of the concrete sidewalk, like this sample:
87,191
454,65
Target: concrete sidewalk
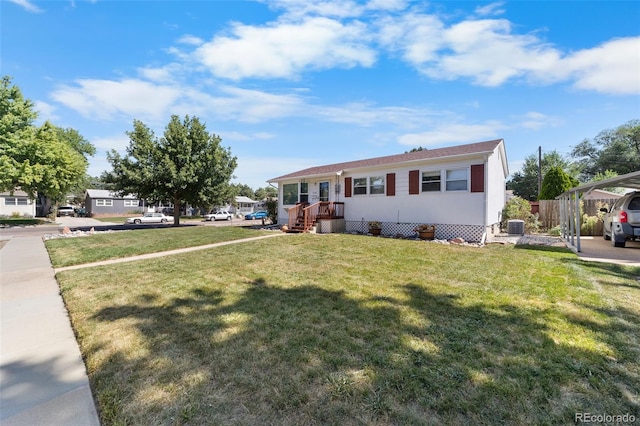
43,380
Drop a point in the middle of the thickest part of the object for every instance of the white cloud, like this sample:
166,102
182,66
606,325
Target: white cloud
299,9
106,143
487,52
613,67
246,137
106,99
284,50
363,114
191,40
535,121
165,74
490,9
452,134
45,111
490,54
27,5
144,100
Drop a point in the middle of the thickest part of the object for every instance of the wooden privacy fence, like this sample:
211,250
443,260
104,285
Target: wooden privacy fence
549,212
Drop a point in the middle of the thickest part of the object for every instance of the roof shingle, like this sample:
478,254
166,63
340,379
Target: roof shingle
453,151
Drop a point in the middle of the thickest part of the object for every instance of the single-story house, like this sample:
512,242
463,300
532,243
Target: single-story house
459,189
17,203
102,201
243,205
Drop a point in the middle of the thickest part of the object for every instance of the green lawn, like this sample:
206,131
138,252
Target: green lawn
344,329
76,251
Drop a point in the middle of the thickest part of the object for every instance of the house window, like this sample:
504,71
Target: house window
376,185
431,181
104,203
368,185
457,180
290,193
360,186
131,203
304,192
16,201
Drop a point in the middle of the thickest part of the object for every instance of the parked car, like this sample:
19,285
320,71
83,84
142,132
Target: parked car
66,211
149,218
218,215
256,215
622,221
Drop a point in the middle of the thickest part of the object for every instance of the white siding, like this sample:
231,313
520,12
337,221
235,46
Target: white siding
496,188
9,209
443,207
453,207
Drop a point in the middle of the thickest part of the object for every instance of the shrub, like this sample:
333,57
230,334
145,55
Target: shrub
519,208
555,231
272,209
591,225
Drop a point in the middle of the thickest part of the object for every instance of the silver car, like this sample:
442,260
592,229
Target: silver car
622,221
218,215
149,218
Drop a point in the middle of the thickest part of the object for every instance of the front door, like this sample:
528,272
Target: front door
324,191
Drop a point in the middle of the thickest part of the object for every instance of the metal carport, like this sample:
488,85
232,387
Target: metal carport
570,204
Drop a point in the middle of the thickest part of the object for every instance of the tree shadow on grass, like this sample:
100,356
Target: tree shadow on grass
308,355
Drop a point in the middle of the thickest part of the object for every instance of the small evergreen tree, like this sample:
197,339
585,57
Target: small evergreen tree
555,182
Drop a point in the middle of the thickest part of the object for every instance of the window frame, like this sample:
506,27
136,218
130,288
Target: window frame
433,173
452,182
360,184
379,188
132,203
286,195
104,202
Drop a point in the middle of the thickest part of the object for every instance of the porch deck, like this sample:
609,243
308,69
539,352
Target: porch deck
304,216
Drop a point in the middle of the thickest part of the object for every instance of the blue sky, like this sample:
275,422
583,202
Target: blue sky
293,84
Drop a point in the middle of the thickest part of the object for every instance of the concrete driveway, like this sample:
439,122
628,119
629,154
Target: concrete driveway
596,249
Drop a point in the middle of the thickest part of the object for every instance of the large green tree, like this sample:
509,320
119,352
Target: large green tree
617,150
266,192
186,165
524,183
45,160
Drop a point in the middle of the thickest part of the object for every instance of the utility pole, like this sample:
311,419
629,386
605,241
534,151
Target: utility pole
539,170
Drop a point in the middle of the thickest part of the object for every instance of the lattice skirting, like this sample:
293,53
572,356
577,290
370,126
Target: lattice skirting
471,233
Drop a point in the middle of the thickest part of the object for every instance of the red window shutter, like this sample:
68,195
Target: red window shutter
414,181
347,187
477,178
391,184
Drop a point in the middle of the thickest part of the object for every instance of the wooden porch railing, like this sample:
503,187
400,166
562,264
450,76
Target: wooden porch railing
303,216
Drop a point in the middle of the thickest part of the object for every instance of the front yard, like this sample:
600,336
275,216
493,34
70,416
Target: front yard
343,329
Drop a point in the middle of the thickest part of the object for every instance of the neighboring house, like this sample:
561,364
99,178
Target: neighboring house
17,203
460,189
601,194
243,205
104,202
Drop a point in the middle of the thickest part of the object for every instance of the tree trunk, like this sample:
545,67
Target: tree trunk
176,209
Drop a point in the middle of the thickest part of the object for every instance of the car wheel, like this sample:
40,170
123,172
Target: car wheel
228,217
163,220
137,221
